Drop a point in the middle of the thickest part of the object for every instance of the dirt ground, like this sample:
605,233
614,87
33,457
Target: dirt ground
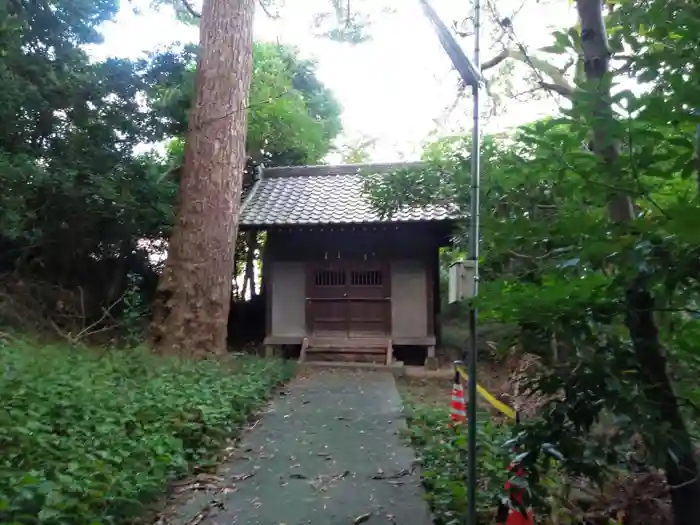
433,388
425,391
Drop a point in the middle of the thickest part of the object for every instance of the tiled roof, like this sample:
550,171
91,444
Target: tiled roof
308,195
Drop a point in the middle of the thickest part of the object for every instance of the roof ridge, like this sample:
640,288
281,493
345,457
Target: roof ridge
320,170
258,177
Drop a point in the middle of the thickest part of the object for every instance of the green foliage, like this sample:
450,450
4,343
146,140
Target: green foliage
80,207
554,264
76,198
92,437
134,312
341,21
443,453
344,22
296,117
357,151
293,118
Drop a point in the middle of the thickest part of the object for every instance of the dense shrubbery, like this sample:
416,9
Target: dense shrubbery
91,437
82,211
443,452
590,250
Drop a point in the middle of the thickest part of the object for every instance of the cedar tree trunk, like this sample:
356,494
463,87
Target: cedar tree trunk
194,293
681,466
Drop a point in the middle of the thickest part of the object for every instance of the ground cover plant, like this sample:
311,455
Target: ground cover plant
442,450
92,437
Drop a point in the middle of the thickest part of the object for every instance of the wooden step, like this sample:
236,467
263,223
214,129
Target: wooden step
399,368
348,342
351,350
343,357
374,350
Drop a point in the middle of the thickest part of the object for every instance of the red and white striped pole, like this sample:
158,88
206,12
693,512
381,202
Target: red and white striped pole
458,407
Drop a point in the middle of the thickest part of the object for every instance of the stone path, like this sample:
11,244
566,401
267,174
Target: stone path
327,453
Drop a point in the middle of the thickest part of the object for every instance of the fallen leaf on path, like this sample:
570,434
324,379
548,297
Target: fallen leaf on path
342,475
323,482
191,486
210,478
400,474
242,477
206,512
203,481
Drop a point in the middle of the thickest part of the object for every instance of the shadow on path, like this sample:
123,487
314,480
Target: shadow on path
327,453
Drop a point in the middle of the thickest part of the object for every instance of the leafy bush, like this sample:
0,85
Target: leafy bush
82,212
443,451
90,438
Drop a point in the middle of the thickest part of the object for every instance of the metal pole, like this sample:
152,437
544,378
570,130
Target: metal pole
474,256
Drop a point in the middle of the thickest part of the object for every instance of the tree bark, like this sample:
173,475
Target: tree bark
194,292
697,158
681,465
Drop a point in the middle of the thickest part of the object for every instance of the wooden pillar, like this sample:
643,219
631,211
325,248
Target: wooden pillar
433,289
266,282
431,361
437,301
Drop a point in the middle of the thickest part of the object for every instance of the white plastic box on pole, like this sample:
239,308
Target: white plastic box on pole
462,279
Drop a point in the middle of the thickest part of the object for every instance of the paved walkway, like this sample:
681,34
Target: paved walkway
328,453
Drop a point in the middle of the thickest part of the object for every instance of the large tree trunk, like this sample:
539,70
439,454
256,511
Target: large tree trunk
194,292
697,158
681,466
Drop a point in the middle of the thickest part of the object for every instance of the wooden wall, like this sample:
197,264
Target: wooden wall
410,250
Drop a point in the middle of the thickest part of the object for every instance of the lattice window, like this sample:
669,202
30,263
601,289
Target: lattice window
366,278
329,278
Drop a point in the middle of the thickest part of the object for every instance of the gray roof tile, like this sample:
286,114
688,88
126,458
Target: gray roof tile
308,195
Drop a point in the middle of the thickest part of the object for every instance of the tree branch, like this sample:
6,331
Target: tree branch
267,10
563,91
190,9
500,57
559,82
